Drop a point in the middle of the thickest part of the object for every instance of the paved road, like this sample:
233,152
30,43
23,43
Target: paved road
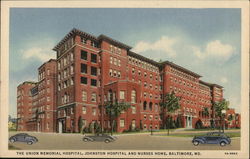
49,141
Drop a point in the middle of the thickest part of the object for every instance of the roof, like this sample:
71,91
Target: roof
27,82
101,37
210,84
115,42
216,85
47,62
73,32
205,83
180,68
133,54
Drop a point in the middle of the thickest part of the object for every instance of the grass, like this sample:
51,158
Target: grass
11,147
231,134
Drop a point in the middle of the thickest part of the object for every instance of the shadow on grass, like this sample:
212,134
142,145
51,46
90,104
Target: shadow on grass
11,147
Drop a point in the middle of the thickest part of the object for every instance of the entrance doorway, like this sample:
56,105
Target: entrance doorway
189,122
60,126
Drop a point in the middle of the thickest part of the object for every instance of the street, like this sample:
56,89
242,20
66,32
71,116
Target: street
143,141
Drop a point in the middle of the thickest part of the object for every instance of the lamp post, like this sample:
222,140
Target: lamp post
223,113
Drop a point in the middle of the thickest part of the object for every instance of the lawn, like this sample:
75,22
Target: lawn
188,134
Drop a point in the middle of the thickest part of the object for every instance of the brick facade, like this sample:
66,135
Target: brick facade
89,69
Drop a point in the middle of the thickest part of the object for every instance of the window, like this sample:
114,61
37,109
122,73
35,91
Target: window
84,96
84,110
133,70
119,62
139,73
71,69
93,82
84,55
48,72
145,117
150,106
122,94
94,111
48,81
72,81
111,60
59,65
144,105
93,97
111,72
93,58
122,123
156,107
84,68
93,71
48,99
133,96
145,74
150,117
133,109
115,73
145,84
71,56
115,61
119,74
84,80
83,40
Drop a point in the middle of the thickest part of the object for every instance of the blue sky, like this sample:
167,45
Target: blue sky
206,41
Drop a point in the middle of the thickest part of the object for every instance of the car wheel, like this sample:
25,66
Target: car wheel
222,143
196,143
107,141
85,140
30,142
12,140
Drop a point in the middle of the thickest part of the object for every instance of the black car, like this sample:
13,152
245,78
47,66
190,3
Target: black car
100,137
23,137
212,138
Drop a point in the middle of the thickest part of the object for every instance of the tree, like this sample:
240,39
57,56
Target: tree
218,107
206,112
114,109
170,103
80,124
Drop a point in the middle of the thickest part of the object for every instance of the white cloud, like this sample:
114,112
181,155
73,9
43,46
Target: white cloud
42,54
215,49
164,44
224,80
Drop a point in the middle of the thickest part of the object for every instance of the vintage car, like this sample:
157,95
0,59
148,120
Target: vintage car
23,137
212,138
100,137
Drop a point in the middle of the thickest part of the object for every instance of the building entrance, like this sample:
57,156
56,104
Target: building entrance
189,122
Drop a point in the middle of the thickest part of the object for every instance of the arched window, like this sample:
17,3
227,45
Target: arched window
150,106
144,105
133,96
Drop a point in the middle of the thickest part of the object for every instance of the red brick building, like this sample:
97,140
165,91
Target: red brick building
90,70
24,104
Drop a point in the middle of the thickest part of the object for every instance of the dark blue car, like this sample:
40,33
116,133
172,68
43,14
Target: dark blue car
23,137
212,138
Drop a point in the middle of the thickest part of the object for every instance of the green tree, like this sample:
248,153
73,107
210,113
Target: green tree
80,124
218,107
114,109
206,112
169,104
